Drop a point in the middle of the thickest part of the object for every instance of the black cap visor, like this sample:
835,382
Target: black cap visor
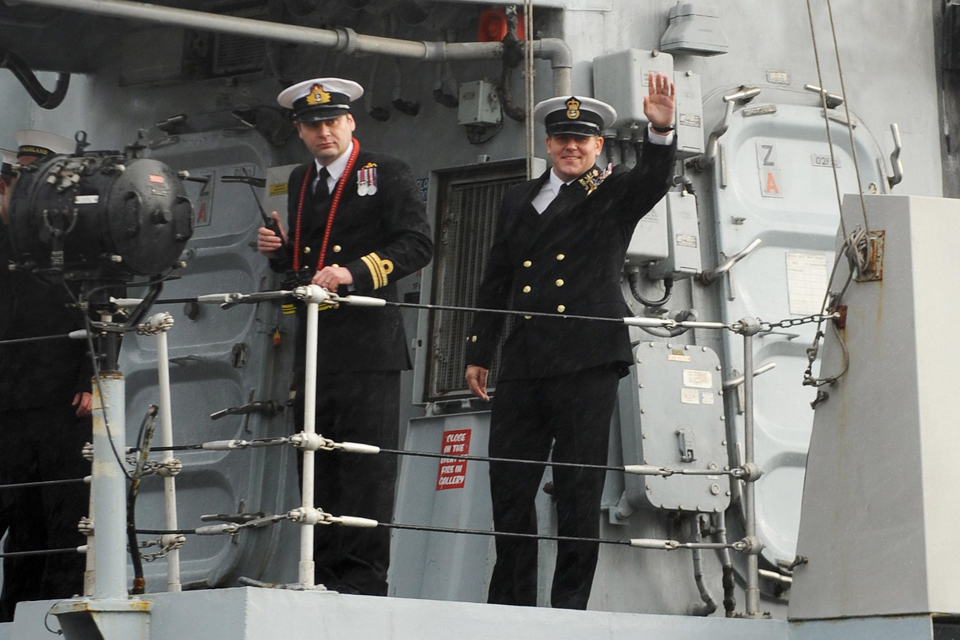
320,113
584,129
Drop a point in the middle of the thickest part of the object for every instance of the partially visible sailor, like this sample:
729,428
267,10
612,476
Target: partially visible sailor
357,224
45,406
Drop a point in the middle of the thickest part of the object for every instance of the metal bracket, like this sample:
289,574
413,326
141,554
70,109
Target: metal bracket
685,439
873,272
895,161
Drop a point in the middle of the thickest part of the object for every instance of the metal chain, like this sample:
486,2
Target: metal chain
172,543
796,322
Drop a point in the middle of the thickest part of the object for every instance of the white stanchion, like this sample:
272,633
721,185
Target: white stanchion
166,440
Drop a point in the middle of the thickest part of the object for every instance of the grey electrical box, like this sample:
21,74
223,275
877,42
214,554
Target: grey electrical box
479,103
689,123
694,28
677,422
649,241
683,239
620,79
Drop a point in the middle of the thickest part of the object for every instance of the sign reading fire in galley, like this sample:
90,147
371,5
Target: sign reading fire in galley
453,471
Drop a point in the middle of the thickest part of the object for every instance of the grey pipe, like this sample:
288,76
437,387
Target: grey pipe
342,40
752,595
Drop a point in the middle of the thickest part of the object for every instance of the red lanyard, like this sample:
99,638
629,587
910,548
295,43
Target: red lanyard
337,195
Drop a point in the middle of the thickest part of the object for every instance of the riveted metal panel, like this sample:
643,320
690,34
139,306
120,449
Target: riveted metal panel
680,425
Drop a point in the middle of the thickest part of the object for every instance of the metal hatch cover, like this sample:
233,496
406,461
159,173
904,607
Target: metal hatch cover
680,426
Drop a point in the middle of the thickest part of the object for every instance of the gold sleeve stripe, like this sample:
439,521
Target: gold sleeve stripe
374,271
379,267
382,266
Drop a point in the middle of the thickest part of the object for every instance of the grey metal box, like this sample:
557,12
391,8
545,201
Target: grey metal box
649,241
680,424
683,240
479,103
620,79
689,122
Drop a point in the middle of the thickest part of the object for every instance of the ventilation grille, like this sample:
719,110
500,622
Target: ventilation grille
238,54
467,213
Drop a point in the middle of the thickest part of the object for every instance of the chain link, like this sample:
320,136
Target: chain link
796,322
166,546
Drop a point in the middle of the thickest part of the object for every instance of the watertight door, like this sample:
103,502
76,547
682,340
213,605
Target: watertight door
219,359
774,180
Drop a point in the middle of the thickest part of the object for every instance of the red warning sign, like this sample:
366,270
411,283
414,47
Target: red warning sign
452,473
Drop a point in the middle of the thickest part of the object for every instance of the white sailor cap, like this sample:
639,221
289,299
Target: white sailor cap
9,158
38,144
320,98
575,115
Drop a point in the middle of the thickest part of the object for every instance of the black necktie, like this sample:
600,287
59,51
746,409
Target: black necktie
321,191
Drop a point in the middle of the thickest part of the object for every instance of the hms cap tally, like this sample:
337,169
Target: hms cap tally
320,98
575,116
38,144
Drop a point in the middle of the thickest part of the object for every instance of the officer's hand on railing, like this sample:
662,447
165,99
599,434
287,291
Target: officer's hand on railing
476,378
268,242
83,401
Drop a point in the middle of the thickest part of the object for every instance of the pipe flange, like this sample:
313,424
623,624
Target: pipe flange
750,326
346,41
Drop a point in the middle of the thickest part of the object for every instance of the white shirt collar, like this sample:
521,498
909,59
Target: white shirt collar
335,168
556,181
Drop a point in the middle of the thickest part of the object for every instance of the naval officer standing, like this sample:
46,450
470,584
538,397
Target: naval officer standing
559,248
356,224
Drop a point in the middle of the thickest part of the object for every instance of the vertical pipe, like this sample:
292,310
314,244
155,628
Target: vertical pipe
89,571
749,497
529,84
309,426
166,440
109,487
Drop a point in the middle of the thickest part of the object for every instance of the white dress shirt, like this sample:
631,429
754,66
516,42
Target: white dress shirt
552,186
335,169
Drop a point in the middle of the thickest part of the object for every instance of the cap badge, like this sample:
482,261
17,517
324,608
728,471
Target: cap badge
573,109
317,96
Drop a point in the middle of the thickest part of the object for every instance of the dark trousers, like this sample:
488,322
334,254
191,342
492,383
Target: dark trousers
355,407
43,444
572,412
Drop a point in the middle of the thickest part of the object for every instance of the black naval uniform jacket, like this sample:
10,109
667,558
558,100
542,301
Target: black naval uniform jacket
565,260
380,238
37,374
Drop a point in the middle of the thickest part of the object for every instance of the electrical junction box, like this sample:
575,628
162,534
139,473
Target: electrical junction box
689,122
649,241
694,28
676,421
620,79
683,239
479,103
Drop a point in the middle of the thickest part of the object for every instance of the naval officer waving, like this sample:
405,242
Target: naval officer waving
559,248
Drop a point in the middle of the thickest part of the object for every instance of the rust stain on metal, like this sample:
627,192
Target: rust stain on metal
842,319
873,272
